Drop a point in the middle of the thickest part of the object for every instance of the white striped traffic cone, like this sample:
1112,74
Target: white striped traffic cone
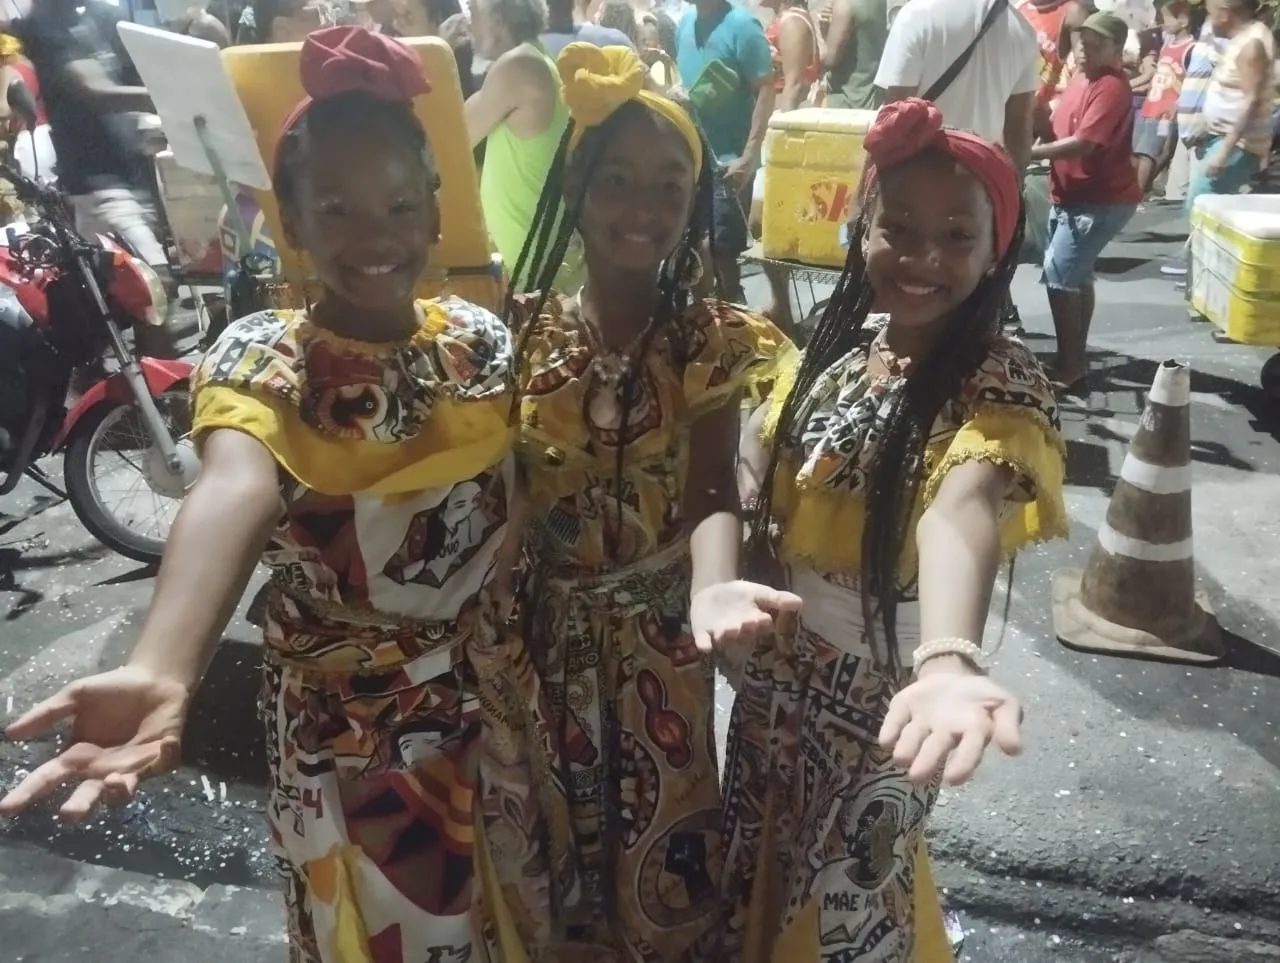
1137,595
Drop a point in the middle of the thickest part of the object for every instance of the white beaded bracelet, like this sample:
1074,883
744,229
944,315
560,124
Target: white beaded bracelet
951,646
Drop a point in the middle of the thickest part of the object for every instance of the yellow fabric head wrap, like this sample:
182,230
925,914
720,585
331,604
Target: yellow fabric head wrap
10,46
599,80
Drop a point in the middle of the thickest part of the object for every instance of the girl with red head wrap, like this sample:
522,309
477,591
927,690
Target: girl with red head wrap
909,452
361,449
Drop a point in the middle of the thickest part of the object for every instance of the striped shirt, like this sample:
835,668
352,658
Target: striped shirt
1201,60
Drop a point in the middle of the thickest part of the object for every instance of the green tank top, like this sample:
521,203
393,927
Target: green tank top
514,174
851,81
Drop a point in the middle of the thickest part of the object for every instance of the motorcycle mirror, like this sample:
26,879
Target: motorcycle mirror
22,102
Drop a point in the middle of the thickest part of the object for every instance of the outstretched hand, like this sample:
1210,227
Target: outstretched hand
126,726
730,613
945,721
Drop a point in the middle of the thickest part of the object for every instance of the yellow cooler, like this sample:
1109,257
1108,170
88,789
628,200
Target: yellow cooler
813,161
266,77
1235,274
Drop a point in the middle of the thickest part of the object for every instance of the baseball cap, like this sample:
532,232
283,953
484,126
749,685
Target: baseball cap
1107,25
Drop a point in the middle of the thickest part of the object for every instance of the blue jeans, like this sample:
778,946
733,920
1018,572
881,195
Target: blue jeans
729,216
1240,168
1077,235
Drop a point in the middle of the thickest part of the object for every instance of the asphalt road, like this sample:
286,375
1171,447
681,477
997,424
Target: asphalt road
1143,805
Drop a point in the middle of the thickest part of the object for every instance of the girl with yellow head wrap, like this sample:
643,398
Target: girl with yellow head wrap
629,414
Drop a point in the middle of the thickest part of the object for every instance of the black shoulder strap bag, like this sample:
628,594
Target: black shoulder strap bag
939,86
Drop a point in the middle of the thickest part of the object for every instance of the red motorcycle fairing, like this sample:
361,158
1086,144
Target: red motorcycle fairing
160,375
27,285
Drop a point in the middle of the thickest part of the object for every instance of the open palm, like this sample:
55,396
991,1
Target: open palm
946,722
736,612
126,725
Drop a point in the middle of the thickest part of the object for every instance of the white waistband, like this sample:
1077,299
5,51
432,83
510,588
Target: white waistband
833,610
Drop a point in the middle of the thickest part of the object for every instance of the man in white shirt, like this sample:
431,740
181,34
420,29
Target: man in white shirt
994,94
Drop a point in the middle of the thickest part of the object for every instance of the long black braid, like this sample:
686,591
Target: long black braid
894,475
554,224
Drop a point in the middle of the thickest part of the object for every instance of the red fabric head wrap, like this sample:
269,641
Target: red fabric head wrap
906,127
340,60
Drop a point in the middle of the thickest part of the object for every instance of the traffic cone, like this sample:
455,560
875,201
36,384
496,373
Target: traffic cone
1137,596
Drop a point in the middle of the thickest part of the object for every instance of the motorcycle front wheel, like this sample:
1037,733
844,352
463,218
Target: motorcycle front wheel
110,454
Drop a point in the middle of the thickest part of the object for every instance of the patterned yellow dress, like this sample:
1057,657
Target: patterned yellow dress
395,714
822,830
606,610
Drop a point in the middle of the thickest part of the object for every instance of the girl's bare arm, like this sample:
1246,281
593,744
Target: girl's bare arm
958,540
712,509
753,455
217,539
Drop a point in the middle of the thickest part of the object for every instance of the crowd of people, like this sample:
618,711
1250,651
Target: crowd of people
1175,89
508,549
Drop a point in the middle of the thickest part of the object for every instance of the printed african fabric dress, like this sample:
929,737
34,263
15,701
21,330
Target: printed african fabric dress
824,835
395,714
606,613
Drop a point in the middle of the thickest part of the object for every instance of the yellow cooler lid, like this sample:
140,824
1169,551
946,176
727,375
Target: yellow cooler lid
835,120
1253,215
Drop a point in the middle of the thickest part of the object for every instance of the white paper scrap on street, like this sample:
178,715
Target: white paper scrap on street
186,80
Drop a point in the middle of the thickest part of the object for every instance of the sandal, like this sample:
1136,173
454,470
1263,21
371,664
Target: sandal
1078,388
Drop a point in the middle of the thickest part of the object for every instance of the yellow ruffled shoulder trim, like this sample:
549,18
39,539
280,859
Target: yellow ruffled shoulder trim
733,348
461,440
1020,440
787,368
254,386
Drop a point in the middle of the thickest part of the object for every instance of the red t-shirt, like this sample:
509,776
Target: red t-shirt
1162,98
28,75
1047,19
1099,111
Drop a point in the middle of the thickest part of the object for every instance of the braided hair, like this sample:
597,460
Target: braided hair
554,224
893,477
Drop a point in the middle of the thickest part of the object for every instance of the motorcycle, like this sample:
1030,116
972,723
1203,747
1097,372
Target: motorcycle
65,303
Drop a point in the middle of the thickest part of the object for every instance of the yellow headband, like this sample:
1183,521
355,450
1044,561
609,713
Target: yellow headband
599,80
10,46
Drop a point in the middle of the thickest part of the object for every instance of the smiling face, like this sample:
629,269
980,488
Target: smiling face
930,240
639,196
365,212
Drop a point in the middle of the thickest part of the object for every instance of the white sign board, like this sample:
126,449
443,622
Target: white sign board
187,81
